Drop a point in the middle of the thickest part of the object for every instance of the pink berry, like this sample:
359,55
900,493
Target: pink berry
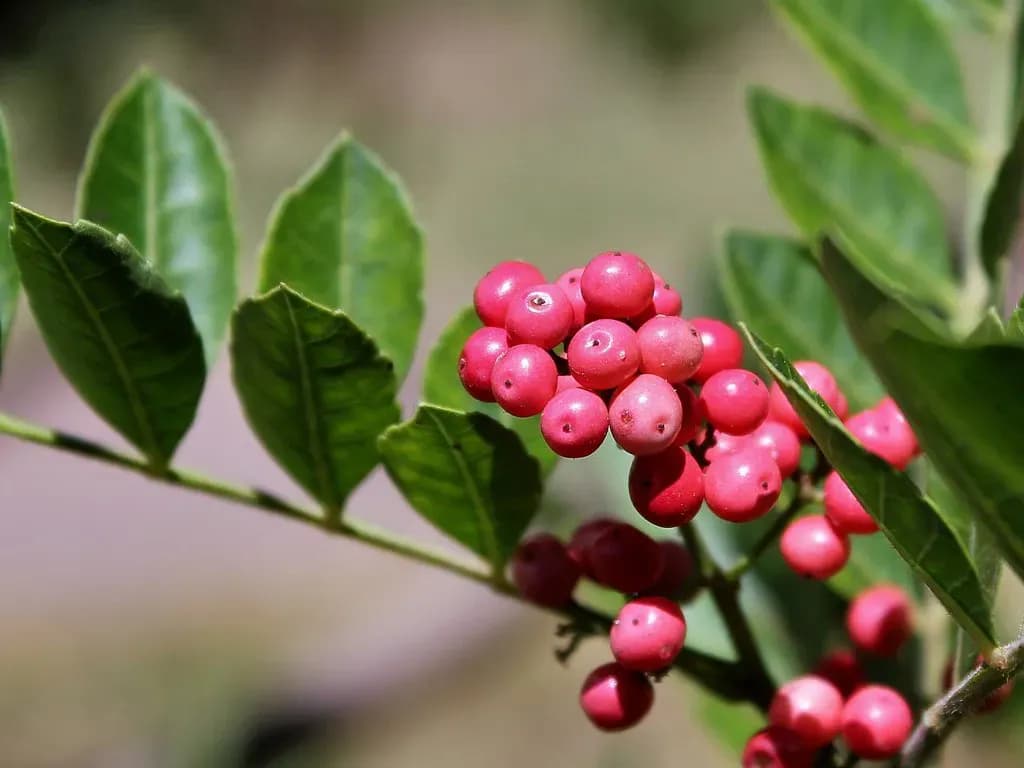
566,382
524,379
543,572
776,748
677,574
604,354
726,445
812,547
615,698
883,436
781,442
617,284
669,347
667,300
880,620
810,707
876,722
735,401
742,486
645,415
723,347
648,634
482,348
499,286
625,559
693,415
574,423
842,669
820,380
667,488
569,282
583,539
541,315
887,409
843,509
842,407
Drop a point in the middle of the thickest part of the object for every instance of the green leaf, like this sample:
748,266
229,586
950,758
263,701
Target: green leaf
466,474
122,338
828,174
985,15
989,330
1003,205
315,390
9,281
155,172
917,531
773,284
897,63
346,238
441,386
964,401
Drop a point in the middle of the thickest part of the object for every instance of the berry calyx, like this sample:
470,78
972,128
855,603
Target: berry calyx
624,559
645,415
812,547
574,423
667,488
648,634
499,286
569,282
876,722
476,361
810,707
614,698
723,347
820,380
880,620
604,354
742,486
841,668
843,509
541,314
776,748
670,347
543,571
735,401
524,379
617,284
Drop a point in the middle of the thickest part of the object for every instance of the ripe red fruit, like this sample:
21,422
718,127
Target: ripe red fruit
776,748
843,509
566,382
883,436
677,574
667,300
742,486
543,572
524,379
667,488
499,286
669,347
888,410
482,348
625,559
583,539
540,314
693,415
645,415
617,284
842,669
723,347
604,354
812,547
574,423
615,698
781,442
820,380
810,707
880,620
876,722
647,634
569,282
735,401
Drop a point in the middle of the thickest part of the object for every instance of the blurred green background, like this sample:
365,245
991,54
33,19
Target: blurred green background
145,627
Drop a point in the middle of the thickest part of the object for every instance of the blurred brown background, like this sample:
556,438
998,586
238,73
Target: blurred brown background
143,626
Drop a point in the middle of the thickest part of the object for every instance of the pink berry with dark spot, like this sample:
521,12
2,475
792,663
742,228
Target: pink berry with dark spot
883,436
677,579
667,488
625,559
667,300
843,509
880,620
735,401
476,362
812,547
604,354
569,282
495,290
524,379
615,698
723,347
776,748
541,315
645,415
742,486
574,423
888,409
648,634
876,722
842,669
617,284
670,347
820,380
543,571
811,708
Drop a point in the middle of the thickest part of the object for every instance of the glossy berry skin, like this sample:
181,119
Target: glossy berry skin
843,509
667,300
677,573
543,571
876,722
524,379
742,486
669,347
667,488
645,415
735,401
890,412
566,382
776,748
693,415
541,315
476,361
496,290
880,620
820,380
781,442
625,559
723,347
810,707
583,539
615,698
884,436
617,284
842,669
604,354
574,423
812,547
647,634
569,282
